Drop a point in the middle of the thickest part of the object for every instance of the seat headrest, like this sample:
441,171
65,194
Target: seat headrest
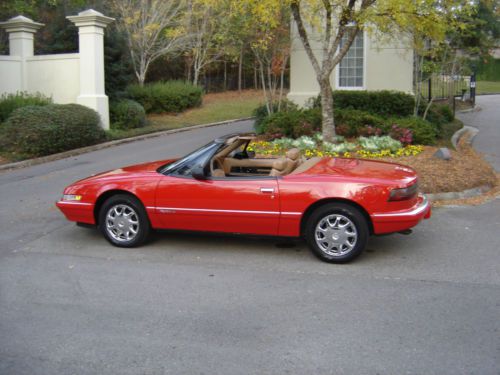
293,153
279,164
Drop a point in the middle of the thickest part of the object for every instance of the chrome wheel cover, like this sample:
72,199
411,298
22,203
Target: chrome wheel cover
122,223
336,235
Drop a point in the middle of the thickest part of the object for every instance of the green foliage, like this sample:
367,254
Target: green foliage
10,102
488,69
351,122
38,131
377,143
423,132
170,96
382,103
438,114
261,113
117,65
294,123
127,114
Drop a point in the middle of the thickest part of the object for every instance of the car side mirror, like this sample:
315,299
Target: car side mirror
198,172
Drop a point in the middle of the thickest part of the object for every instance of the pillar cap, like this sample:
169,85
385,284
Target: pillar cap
21,24
90,17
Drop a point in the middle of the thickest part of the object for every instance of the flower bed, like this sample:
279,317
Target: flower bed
364,147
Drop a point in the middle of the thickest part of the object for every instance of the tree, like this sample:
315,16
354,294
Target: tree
335,23
471,31
263,25
204,21
153,28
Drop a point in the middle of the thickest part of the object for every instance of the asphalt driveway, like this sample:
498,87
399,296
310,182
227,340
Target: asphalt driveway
70,303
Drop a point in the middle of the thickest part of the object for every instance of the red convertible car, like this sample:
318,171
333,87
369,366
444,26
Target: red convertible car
334,203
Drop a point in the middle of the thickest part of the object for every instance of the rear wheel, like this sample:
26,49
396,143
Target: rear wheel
123,221
337,232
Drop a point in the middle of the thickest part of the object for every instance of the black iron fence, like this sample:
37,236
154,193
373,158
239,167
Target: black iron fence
445,86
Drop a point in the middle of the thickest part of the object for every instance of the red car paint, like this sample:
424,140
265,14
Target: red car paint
255,205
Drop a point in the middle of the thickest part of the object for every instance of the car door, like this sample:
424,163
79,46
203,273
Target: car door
231,204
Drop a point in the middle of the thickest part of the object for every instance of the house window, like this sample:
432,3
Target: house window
351,67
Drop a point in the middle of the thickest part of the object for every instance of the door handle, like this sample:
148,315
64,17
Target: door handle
267,190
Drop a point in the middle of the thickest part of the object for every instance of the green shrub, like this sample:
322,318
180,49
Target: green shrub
423,132
260,113
439,114
170,96
38,131
127,114
352,122
10,102
382,103
294,123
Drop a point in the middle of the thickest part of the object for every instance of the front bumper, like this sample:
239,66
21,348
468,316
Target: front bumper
80,212
388,222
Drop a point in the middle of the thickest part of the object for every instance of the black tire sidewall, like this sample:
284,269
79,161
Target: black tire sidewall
350,212
144,226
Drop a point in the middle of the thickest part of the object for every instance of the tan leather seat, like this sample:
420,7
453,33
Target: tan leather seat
279,167
218,173
283,166
293,153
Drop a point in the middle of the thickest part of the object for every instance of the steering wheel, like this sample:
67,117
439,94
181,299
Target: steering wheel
216,163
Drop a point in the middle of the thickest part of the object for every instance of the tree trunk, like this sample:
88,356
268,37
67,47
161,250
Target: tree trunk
225,75
196,77
240,69
327,110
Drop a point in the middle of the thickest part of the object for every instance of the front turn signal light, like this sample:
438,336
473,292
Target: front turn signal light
71,197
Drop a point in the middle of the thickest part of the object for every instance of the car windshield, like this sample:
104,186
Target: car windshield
184,165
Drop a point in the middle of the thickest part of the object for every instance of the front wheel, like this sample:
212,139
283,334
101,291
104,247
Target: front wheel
337,232
123,221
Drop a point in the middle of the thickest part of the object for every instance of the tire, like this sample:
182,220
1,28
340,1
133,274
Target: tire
123,221
337,232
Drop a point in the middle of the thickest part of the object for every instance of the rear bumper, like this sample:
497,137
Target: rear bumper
81,212
388,222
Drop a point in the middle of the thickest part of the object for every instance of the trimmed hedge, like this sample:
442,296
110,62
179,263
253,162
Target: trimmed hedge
383,103
38,131
10,102
127,114
169,96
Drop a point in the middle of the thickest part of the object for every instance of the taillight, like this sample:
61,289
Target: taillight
404,194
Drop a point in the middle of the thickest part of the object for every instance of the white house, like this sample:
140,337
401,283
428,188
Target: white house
368,65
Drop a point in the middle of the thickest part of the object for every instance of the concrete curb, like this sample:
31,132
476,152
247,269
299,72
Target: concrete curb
475,109
469,193
459,133
100,146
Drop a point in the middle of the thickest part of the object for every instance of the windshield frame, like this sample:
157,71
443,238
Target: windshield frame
207,151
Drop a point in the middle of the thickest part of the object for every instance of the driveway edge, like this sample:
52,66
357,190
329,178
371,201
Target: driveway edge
100,146
452,195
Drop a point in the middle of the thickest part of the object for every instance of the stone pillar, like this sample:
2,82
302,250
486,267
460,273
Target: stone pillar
91,25
21,32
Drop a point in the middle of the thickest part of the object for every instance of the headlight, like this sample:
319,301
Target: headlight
404,194
71,197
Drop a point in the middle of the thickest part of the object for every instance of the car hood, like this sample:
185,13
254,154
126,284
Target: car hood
362,169
132,170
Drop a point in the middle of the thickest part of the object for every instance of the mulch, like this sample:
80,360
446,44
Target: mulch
465,170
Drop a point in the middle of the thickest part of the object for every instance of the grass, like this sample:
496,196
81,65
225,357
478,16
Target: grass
215,108
487,87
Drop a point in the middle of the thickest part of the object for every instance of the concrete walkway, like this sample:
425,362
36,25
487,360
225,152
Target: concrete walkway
487,120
